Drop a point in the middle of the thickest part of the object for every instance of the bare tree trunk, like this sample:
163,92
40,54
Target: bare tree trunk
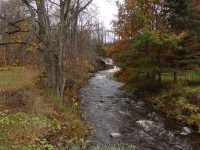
4,57
175,77
159,77
60,72
75,36
55,56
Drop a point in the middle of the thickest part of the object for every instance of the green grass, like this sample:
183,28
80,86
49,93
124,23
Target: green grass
66,105
42,114
10,76
76,128
13,78
182,77
21,129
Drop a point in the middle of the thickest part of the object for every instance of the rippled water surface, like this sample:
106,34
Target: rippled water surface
111,110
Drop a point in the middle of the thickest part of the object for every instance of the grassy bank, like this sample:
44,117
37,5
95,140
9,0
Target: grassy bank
30,117
180,101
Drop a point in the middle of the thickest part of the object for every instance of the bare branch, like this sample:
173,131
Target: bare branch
54,3
13,43
85,6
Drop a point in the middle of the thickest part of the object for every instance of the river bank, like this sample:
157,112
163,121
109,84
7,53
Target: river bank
180,101
31,117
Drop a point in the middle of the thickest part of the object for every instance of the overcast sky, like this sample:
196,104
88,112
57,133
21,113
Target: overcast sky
107,10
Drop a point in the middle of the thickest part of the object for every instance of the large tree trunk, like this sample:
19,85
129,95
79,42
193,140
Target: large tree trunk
54,59
60,69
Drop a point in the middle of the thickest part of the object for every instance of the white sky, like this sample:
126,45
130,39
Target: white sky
107,10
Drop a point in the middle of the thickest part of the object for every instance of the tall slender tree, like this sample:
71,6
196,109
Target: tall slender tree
183,15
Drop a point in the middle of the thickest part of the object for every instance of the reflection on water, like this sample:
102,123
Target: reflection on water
111,110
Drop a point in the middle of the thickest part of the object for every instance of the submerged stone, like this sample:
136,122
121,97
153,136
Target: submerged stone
185,131
115,135
101,101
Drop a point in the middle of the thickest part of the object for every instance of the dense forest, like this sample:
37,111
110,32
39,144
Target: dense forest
55,73
158,52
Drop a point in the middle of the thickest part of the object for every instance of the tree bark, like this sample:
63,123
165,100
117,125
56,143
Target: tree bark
175,77
159,77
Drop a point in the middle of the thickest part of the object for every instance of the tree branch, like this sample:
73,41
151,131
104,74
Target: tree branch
13,43
54,3
84,7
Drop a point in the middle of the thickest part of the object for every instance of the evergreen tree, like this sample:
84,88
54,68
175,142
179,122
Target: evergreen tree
183,15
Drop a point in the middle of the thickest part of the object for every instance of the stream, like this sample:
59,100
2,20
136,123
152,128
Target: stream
112,111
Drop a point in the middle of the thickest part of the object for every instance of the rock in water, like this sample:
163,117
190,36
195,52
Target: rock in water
115,135
185,131
101,101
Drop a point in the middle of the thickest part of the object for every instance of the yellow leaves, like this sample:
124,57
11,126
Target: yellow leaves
58,126
17,38
33,46
25,25
182,35
20,36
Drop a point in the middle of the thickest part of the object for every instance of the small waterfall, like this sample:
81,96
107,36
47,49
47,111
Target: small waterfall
108,62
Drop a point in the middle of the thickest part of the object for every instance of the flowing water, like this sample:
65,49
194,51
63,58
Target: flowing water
111,110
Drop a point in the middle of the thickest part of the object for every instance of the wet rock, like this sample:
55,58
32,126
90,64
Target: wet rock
162,133
185,131
146,124
101,101
137,106
156,119
108,108
140,103
132,102
178,147
170,134
115,102
153,116
124,113
143,134
123,101
92,75
99,104
115,135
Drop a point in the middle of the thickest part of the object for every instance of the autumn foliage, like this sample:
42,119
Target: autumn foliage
149,43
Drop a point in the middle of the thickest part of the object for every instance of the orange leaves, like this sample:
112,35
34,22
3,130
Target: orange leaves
121,45
34,46
147,43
